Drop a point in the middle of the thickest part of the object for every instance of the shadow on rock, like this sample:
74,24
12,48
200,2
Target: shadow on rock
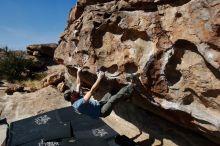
158,129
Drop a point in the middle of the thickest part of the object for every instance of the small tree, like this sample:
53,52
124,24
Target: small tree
13,66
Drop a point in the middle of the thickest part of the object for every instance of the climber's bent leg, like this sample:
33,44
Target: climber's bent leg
125,92
105,98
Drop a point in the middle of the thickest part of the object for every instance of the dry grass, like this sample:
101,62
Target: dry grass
33,83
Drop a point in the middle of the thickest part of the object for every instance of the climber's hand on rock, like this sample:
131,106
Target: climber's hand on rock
100,75
79,68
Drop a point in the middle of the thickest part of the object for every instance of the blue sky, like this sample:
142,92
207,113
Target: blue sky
25,22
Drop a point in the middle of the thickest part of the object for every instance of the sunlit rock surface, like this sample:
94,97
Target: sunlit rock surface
19,106
171,46
41,55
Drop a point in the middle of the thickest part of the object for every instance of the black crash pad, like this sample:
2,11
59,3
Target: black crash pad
58,125
70,142
48,132
95,128
103,132
51,117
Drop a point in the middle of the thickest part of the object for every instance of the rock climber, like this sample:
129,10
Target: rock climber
91,107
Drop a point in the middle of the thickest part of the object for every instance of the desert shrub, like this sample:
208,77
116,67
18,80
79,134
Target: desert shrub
14,66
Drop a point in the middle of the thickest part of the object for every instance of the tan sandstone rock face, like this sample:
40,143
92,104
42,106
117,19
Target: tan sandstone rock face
41,55
53,79
171,46
42,49
19,106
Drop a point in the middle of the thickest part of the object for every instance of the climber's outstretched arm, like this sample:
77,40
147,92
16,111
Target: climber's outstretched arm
78,79
94,86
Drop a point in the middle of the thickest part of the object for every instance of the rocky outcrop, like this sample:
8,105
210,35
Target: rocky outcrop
53,79
148,129
55,76
171,46
61,87
42,49
19,106
41,54
14,88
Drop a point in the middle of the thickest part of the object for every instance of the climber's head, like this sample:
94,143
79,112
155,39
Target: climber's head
71,96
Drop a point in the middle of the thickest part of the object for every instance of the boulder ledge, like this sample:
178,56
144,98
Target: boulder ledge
171,46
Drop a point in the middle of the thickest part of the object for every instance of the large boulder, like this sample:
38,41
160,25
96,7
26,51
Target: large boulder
37,62
19,106
41,55
53,79
61,87
43,49
171,46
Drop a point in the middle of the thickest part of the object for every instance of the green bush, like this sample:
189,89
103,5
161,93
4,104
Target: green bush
13,66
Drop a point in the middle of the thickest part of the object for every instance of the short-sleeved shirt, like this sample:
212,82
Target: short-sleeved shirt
91,108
